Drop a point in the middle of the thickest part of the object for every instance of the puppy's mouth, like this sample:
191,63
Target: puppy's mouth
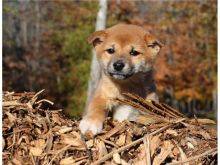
119,76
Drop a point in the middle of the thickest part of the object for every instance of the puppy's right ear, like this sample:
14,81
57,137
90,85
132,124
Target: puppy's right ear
97,37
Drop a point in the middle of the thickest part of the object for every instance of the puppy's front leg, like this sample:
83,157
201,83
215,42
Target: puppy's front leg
94,117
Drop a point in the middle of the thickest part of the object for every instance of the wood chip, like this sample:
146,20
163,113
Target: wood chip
39,135
116,158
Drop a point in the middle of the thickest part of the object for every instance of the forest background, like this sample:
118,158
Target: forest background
45,47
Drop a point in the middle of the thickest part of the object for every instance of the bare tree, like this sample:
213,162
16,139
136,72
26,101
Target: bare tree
95,68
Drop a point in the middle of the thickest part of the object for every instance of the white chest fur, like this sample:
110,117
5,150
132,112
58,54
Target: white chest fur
125,112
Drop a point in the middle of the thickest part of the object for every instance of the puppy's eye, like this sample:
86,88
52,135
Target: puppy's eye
110,50
134,52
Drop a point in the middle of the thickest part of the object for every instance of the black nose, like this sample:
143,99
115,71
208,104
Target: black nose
118,65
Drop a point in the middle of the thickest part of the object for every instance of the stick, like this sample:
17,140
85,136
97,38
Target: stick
147,149
114,130
59,151
87,150
108,156
108,142
11,103
195,157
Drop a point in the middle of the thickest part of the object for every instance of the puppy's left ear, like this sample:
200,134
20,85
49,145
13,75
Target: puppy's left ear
97,37
153,44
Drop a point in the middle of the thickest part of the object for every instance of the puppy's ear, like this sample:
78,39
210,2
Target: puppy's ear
97,37
153,44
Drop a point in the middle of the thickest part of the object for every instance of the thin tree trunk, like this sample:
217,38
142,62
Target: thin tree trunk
215,102
37,42
24,24
95,68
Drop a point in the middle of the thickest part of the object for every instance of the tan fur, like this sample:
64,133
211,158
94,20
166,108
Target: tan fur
124,38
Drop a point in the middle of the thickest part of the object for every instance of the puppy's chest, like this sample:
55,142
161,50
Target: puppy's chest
114,92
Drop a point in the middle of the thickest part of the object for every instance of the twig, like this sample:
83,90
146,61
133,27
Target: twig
80,162
182,154
10,103
59,151
142,109
87,150
151,107
38,93
81,158
44,100
108,142
114,130
147,148
108,156
32,159
213,150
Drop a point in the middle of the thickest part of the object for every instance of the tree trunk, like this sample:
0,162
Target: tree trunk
37,41
95,68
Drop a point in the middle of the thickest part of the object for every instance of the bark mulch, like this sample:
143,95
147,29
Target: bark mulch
33,134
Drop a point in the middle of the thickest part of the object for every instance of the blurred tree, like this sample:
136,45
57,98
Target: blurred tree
95,68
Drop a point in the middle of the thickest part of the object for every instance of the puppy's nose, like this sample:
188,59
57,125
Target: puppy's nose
118,65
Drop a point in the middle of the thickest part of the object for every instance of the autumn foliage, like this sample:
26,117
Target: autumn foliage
186,70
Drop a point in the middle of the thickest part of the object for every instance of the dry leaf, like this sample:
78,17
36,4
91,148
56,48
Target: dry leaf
49,142
145,120
204,121
154,143
16,161
172,132
67,161
182,155
65,130
71,140
165,151
40,143
116,158
190,145
3,143
90,143
123,162
121,140
36,151
175,151
101,148
11,117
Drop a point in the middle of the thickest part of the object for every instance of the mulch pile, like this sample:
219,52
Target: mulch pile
39,136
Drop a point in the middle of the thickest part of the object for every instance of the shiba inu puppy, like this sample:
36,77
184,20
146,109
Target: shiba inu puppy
126,54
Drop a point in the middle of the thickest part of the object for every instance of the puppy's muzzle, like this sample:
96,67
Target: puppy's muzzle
120,69
118,65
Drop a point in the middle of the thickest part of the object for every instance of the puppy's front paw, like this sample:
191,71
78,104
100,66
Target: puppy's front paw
87,124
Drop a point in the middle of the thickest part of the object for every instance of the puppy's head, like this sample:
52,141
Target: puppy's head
125,50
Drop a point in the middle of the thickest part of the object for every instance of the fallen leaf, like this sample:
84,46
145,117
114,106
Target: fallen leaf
90,143
165,151
172,132
101,148
121,140
65,130
190,145
67,161
71,140
182,155
154,143
116,158
36,151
